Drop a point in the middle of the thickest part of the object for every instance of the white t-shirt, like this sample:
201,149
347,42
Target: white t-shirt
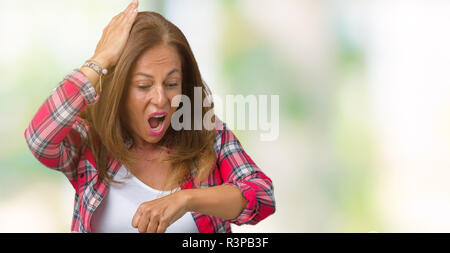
116,211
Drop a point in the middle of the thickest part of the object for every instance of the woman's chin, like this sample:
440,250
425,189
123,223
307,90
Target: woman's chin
152,137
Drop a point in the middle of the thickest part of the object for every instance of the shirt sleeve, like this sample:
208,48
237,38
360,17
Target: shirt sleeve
54,134
238,169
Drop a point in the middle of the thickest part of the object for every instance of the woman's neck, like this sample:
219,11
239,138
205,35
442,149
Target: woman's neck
142,145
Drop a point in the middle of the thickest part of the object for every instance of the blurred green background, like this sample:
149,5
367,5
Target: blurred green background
364,104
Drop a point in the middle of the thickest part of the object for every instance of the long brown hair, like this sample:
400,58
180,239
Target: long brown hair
190,149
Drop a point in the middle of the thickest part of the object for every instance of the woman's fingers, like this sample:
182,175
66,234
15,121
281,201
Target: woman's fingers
152,225
162,226
125,13
128,14
149,222
131,10
157,215
132,6
143,223
135,220
130,19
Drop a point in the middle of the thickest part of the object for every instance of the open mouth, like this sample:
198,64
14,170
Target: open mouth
156,123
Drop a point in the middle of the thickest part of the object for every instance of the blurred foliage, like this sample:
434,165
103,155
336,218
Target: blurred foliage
251,65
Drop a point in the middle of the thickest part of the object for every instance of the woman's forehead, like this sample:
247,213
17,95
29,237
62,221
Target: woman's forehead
159,55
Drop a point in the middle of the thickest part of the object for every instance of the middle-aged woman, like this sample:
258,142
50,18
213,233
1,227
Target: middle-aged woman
107,127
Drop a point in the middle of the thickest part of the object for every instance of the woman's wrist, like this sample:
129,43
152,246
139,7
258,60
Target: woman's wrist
92,76
188,199
104,63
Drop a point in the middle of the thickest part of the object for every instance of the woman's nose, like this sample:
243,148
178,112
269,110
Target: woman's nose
158,96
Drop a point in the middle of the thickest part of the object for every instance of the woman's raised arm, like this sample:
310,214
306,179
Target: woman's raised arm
55,133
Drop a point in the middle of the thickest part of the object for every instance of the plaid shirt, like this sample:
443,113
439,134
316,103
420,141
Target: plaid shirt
56,133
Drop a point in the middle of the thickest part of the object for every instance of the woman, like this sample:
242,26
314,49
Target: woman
107,127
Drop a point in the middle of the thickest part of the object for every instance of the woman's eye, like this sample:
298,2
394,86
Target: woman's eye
143,87
172,84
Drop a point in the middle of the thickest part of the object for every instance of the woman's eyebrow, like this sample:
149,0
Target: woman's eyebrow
150,76
172,71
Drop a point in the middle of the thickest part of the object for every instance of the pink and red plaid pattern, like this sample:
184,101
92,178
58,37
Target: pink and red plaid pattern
56,135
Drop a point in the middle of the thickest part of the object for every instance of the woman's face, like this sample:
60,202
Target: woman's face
155,81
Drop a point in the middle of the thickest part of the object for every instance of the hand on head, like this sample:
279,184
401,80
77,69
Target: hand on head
115,36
